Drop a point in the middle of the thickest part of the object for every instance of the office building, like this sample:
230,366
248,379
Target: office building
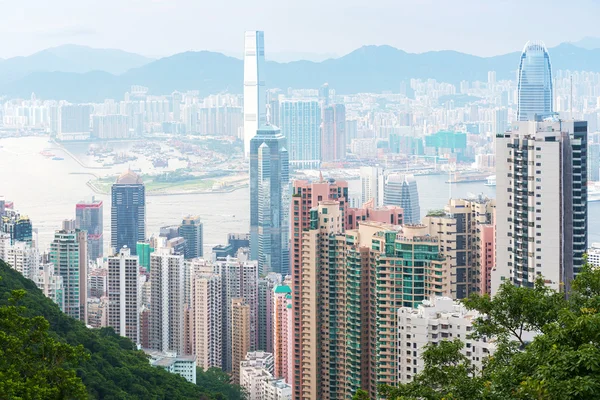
541,203
18,226
534,84
207,319
430,323
333,137
372,185
89,218
128,212
239,278
191,229
300,123
68,253
50,283
124,302
235,241
143,250
269,201
255,96
401,190
167,301
240,335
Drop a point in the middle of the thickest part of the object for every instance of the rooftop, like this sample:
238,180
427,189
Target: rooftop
129,178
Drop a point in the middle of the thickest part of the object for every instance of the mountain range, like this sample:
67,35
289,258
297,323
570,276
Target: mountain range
81,74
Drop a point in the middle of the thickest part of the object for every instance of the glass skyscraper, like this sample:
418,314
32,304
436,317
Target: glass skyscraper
269,201
128,212
401,190
88,217
535,82
255,106
300,123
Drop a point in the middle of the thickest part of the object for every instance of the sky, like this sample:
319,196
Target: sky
326,27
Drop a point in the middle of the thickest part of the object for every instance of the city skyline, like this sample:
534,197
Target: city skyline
192,26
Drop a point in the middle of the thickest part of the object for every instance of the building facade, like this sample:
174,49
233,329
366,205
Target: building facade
240,335
401,190
124,302
541,203
269,201
89,218
191,229
534,84
128,212
255,96
300,123
333,136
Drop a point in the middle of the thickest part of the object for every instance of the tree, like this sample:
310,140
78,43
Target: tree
33,365
361,395
561,361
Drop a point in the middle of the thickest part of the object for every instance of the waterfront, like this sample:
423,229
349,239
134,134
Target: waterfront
47,191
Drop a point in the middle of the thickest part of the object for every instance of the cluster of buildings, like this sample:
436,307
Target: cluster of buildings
327,293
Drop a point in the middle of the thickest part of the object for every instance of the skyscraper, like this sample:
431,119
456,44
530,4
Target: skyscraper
255,107
401,190
191,230
124,300
541,203
207,318
264,324
283,332
240,337
68,253
128,212
333,137
534,82
371,185
89,218
269,201
167,301
300,123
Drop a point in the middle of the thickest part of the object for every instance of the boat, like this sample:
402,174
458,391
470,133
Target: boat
57,158
491,180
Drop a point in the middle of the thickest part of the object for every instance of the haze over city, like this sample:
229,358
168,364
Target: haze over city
325,200
297,30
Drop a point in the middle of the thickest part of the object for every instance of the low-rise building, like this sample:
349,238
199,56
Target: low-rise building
171,362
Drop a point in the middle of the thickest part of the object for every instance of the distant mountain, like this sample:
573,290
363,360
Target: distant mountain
367,69
70,58
588,42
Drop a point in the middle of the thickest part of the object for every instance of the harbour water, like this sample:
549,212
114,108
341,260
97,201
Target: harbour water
47,190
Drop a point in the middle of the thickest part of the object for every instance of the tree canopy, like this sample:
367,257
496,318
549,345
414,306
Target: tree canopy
45,354
548,347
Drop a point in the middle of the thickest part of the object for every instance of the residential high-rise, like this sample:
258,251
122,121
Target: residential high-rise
207,319
124,302
240,337
269,201
128,212
300,122
283,332
18,226
541,203
401,190
534,82
264,322
167,301
191,230
24,258
89,218
68,253
333,136
431,322
463,230
50,283
239,278
255,96
372,184
74,119
500,121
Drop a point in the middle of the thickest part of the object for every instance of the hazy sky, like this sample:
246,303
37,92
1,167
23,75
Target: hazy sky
164,27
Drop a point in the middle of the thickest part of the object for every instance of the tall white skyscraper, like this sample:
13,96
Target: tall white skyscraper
255,101
541,203
167,301
371,185
124,300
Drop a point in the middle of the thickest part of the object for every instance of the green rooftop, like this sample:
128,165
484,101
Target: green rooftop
283,289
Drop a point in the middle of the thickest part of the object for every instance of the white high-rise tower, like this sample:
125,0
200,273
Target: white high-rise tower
255,102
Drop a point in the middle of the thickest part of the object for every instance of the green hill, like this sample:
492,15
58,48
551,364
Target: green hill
114,369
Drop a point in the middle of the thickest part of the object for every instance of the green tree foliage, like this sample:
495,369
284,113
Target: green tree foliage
561,362
33,365
109,365
361,395
217,381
